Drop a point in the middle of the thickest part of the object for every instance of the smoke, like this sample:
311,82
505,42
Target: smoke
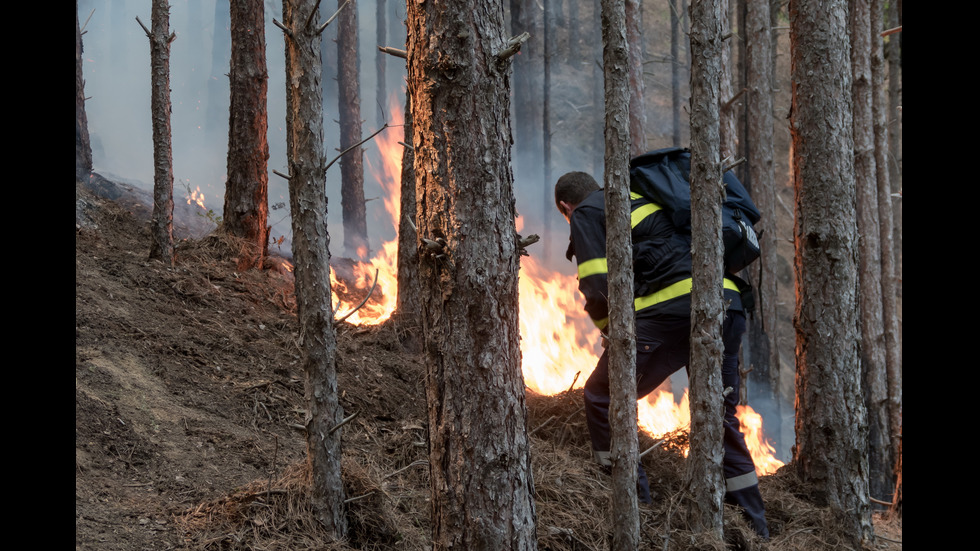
116,69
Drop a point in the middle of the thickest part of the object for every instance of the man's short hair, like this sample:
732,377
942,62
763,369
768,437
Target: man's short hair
573,188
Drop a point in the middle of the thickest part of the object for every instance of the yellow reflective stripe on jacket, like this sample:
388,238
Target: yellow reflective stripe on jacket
642,212
592,267
673,290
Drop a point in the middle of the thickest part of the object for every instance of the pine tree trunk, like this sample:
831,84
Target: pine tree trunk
527,114
246,210
761,183
620,127
675,73
890,306
704,478
381,30
831,421
873,365
311,255
217,104
83,145
637,114
352,163
726,90
162,221
479,454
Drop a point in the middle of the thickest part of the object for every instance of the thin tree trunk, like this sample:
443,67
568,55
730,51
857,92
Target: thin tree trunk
620,91
162,222
311,254
83,144
217,104
675,70
831,422
548,28
598,93
873,364
704,478
727,127
381,30
889,282
479,454
761,181
246,210
637,114
352,163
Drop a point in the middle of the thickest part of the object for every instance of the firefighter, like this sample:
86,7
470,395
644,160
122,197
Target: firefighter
662,286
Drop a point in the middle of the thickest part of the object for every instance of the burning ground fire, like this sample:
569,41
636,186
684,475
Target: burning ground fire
558,342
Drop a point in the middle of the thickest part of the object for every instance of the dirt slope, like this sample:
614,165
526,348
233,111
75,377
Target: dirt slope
188,391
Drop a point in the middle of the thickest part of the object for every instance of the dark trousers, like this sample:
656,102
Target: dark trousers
663,347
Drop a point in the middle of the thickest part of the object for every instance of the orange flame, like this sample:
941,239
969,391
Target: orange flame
196,197
763,454
559,343
385,262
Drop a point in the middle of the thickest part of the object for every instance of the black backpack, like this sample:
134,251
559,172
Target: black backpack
662,177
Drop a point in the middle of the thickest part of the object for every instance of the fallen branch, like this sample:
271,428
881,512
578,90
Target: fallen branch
651,448
363,302
407,467
548,420
353,499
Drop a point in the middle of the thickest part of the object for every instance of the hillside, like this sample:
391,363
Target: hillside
188,392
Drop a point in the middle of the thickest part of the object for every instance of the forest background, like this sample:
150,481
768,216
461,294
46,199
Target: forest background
117,84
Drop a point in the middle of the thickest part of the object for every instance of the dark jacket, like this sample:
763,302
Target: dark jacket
661,260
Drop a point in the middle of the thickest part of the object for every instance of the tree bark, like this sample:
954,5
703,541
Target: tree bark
873,364
83,144
311,255
246,211
527,101
831,421
479,454
761,184
409,298
890,306
704,478
380,66
727,107
162,220
620,128
675,70
352,163
637,114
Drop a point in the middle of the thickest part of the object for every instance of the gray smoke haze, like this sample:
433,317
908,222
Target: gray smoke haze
117,84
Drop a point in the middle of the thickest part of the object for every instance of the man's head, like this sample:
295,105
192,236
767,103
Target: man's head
571,189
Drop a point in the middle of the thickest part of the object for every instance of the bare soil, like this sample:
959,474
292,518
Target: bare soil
188,393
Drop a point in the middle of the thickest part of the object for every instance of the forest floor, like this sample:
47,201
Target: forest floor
188,389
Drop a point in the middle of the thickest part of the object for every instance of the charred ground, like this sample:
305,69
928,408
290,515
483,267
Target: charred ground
188,393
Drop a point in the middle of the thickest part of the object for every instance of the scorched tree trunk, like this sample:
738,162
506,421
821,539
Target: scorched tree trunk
479,456
246,211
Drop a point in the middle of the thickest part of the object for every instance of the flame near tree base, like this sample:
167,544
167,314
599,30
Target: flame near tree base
559,344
